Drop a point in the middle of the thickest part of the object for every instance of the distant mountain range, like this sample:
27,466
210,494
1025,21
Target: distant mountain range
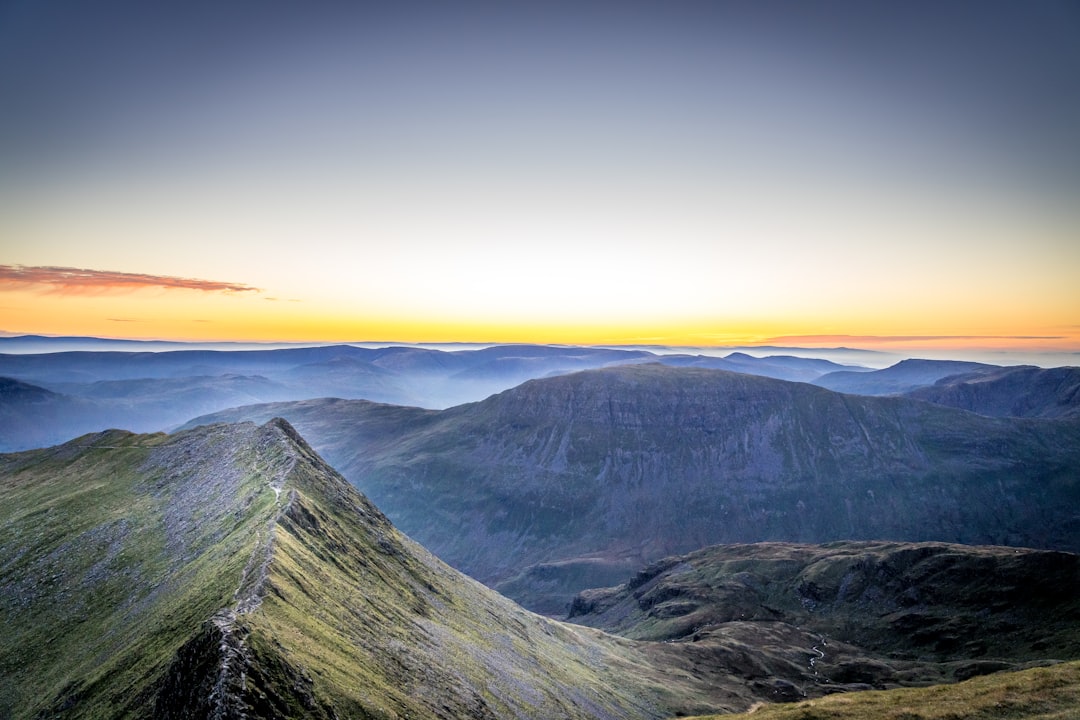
159,390
150,391
1020,391
571,482
902,377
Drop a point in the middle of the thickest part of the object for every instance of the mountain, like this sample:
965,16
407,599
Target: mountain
576,481
229,572
881,614
151,391
1009,392
902,377
781,367
900,601
33,416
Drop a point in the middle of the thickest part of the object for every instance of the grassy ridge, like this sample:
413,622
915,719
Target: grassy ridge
378,627
116,547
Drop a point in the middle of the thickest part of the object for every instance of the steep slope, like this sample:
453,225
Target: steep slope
1009,392
902,377
574,482
901,601
115,546
228,572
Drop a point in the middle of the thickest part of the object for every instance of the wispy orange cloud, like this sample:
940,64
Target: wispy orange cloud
885,339
77,281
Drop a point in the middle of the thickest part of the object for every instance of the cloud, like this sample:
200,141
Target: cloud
78,281
881,339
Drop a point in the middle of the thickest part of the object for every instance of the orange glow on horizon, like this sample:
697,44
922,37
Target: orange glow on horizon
199,316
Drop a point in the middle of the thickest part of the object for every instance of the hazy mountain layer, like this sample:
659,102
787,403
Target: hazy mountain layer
904,376
153,391
33,416
573,482
43,417
228,572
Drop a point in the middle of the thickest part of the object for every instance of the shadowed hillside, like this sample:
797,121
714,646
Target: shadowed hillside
1009,392
987,608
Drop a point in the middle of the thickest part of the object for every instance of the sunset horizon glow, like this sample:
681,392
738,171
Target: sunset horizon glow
703,174
59,301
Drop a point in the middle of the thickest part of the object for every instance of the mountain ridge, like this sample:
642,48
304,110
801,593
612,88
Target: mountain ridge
583,478
1023,391
229,572
904,376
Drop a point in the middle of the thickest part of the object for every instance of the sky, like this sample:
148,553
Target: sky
869,174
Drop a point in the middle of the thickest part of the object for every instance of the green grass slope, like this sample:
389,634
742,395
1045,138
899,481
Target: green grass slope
114,547
1050,693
